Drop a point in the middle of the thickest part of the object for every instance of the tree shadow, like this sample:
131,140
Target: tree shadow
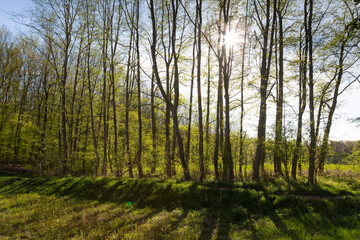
223,205
281,226
208,225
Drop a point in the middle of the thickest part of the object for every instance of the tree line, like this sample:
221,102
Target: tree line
148,87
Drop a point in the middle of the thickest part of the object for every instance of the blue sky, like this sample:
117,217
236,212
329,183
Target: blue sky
342,128
7,7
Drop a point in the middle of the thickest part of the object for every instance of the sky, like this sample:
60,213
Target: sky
8,7
349,102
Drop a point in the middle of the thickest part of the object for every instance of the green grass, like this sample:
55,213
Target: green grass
99,208
342,167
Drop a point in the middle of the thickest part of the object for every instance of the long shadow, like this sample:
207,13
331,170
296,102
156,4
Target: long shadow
281,226
218,201
208,224
24,185
92,220
224,225
178,220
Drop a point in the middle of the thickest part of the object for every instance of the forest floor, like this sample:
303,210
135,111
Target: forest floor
109,208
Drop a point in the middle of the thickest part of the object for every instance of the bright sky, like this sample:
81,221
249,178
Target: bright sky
349,108
342,128
8,7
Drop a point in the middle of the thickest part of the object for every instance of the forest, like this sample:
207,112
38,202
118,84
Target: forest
176,100
200,89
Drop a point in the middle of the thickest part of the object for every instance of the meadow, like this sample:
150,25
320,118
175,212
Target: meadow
110,208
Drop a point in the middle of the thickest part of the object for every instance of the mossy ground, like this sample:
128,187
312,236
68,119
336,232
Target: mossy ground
108,208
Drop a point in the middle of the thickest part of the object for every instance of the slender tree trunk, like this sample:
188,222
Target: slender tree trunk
45,119
85,148
78,117
325,145
104,59
127,108
173,107
207,126
175,8
73,100
219,107
97,163
173,152
140,145
167,124
114,44
312,149
279,151
302,97
201,131
242,96
264,72
68,29
187,153
19,125
228,166
153,125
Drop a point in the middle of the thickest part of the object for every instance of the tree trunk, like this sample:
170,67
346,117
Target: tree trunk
219,107
104,59
279,149
114,44
153,126
207,126
312,149
167,124
187,153
264,72
97,163
173,107
302,97
140,146
127,107
325,145
242,137
201,131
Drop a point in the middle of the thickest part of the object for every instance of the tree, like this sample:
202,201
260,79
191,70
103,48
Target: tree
138,77
303,54
201,131
312,148
266,53
173,106
343,45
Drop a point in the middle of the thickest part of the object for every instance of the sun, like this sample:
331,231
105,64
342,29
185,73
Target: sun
231,38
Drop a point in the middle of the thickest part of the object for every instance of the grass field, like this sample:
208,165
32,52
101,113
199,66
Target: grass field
107,208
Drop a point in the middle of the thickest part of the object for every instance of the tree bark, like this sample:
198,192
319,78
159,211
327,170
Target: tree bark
140,144
325,145
153,125
279,151
89,41
312,150
302,96
201,130
219,107
264,72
